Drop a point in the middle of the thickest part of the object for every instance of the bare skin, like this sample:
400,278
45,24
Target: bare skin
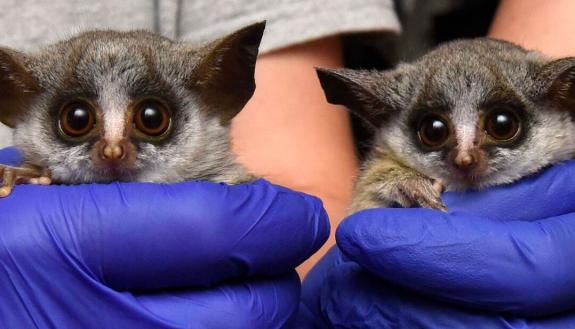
547,26
290,135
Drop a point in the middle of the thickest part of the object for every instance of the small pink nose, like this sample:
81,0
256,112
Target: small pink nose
112,152
464,161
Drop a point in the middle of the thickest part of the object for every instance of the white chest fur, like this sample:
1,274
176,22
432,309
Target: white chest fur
5,136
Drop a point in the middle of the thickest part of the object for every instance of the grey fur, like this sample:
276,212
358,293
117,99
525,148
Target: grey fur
113,69
462,77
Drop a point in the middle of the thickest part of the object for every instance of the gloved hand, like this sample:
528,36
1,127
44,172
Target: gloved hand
502,258
135,255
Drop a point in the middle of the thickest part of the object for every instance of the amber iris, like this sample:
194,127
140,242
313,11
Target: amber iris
76,119
502,125
152,118
433,131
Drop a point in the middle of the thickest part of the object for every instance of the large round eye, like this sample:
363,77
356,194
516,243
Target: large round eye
76,119
433,131
152,118
502,125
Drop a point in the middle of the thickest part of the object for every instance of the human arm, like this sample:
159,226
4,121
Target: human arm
289,134
542,25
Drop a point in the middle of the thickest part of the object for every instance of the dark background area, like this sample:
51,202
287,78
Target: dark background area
425,24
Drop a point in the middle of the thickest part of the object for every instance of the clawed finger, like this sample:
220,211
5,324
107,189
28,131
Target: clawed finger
424,193
8,181
14,175
438,186
433,204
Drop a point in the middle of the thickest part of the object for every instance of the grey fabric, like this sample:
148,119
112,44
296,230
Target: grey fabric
28,24
289,21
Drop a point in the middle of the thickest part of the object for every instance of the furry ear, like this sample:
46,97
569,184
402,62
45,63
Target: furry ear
362,92
225,73
559,79
16,86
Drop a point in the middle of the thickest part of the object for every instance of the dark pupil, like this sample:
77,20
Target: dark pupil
152,118
435,131
502,124
78,118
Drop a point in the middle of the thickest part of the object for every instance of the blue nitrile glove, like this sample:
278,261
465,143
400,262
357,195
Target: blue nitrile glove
496,259
134,255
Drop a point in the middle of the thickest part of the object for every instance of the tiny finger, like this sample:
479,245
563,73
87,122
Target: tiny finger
44,180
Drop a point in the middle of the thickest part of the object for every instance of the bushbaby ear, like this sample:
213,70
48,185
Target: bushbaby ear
225,73
358,91
560,82
17,86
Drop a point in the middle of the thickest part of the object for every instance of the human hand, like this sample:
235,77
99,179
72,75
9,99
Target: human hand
496,259
135,255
